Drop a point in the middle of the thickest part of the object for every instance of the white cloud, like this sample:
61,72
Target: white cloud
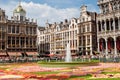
43,12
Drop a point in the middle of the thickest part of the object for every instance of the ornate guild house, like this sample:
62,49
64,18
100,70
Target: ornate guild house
88,34
3,33
87,31
79,32
17,35
108,27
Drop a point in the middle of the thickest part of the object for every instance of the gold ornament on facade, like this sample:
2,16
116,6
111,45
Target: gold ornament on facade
19,9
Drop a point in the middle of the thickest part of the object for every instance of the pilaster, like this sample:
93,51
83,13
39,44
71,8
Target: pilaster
106,48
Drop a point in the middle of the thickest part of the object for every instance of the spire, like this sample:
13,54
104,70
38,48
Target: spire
83,8
19,12
19,8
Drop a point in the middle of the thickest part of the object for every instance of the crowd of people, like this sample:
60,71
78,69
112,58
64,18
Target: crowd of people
100,57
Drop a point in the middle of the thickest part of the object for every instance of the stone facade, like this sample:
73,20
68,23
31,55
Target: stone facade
3,32
87,31
54,37
18,34
108,27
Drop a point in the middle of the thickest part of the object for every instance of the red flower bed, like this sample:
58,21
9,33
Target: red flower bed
59,77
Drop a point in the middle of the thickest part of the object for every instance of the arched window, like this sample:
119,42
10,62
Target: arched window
107,25
119,5
103,25
99,26
116,23
112,25
115,6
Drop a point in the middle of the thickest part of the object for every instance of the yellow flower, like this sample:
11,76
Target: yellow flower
7,69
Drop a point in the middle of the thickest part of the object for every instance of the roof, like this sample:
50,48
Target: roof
19,9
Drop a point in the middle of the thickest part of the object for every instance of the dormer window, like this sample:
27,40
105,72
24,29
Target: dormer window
115,6
21,18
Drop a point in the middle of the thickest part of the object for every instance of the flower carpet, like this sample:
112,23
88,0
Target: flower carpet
33,71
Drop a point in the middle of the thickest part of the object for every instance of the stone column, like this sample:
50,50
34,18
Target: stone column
25,42
119,23
81,43
86,44
105,26
11,29
113,24
101,26
106,52
91,44
98,46
86,40
11,41
20,42
90,27
97,28
110,25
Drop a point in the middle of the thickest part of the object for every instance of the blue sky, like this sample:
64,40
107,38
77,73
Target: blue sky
65,3
51,10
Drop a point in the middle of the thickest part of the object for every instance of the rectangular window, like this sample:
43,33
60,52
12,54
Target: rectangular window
27,30
3,28
84,41
17,41
3,36
30,42
13,41
17,29
88,40
21,18
13,29
9,29
88,28
34,30
34,42
9,40
3,46
27,42
30,30
83,29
